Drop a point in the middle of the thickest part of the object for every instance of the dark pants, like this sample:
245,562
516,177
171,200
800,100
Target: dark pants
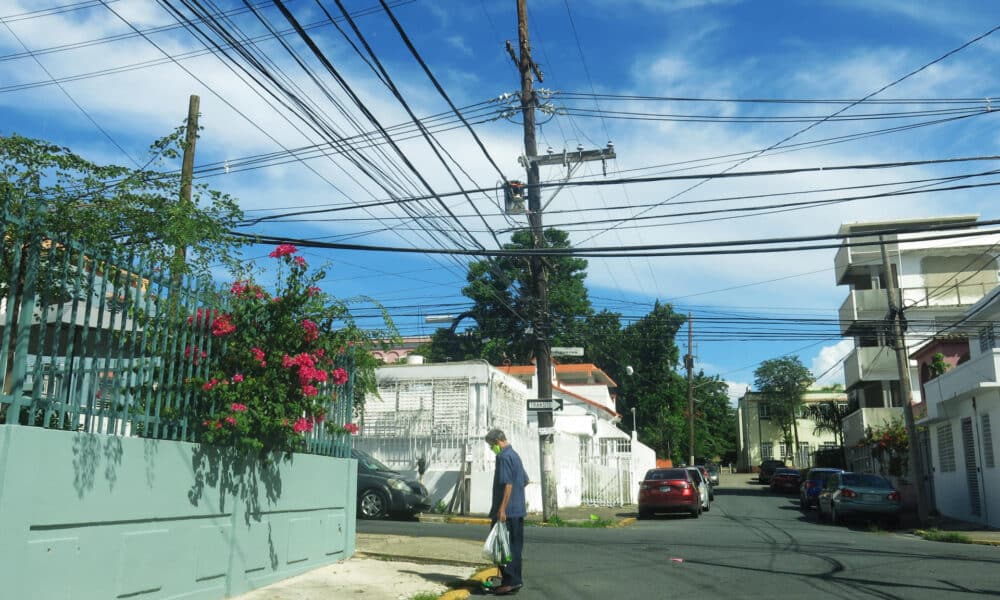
512,571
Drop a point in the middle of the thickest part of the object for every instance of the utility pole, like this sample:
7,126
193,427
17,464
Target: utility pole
689,364
187,168
539,281
916,473
539,289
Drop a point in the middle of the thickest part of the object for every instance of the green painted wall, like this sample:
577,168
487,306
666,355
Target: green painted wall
88,516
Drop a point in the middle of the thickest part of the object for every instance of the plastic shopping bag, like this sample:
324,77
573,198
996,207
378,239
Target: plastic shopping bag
497,546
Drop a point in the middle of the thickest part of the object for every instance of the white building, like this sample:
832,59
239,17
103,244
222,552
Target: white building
441,412
962,404
760,438
938,280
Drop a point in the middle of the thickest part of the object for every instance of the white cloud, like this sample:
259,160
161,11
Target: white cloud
828,363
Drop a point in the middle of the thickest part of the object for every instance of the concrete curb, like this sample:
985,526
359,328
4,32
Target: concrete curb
422,560
476,579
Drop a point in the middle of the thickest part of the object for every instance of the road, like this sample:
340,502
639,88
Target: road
752,544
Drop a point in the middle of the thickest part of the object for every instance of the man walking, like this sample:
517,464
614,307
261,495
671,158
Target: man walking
509,479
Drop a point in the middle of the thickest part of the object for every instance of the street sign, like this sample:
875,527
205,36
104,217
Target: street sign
563,351
537,404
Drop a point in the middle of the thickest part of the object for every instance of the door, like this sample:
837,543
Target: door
971,468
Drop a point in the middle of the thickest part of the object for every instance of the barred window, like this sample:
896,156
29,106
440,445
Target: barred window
764,410
987,338
946,448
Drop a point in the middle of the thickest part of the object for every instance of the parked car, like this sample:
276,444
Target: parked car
383,491
812,484
864,495
704,489
713,473
785,480
708,480
668,490
767,469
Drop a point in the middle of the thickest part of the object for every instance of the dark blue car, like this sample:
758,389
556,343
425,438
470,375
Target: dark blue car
812,485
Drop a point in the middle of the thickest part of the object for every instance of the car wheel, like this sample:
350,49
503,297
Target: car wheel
696,512
373,505
803,506
834,518
644,514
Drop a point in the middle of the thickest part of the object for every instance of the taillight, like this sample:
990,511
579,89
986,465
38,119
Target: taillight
893,496
848,493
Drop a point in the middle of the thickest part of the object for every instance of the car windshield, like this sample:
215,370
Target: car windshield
785,472
865,480
369,461
659,474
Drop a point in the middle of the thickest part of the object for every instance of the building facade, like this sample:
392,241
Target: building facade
761,438
937,281
962,404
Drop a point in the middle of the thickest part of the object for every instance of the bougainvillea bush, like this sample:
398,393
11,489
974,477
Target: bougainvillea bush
889,444
273,364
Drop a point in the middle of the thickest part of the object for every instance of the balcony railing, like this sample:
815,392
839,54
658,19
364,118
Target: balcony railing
876,363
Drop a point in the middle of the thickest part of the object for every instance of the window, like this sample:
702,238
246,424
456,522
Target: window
946,448
830,445
987,442
766,451
987,338
764,410
842,407
785,450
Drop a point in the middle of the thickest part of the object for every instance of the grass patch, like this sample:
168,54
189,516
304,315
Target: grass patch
594,522
936,535
425,596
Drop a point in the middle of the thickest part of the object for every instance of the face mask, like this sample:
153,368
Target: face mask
495,448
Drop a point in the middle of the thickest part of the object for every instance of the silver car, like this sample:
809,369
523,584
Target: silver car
703,487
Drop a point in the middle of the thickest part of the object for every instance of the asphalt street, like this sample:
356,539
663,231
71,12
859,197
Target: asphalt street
752,544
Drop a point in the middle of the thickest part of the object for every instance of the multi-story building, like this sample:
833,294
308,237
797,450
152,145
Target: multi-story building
760,438
937,281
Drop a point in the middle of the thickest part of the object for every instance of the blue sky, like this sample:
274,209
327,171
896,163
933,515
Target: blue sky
696,49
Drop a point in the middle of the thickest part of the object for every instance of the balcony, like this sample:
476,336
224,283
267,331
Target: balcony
854,261
856,422
875,363
863,306
969,377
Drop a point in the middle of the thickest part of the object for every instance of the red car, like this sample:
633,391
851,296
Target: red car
668,490
785,480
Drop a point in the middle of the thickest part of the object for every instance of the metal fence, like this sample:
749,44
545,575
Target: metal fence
95,341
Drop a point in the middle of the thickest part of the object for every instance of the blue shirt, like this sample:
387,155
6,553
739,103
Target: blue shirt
509,469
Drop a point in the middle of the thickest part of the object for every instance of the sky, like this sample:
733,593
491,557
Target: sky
679,87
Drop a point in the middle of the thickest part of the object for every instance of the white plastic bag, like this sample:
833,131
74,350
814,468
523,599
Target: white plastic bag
497,546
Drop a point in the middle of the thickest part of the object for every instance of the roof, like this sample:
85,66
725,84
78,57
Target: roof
868,226
576,396
589,369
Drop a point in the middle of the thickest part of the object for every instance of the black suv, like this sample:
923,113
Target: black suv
767,470
382,491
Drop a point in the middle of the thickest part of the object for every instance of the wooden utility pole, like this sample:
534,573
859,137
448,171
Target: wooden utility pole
539,287
187,168
689,364
916,470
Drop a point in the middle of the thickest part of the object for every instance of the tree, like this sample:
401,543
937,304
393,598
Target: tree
502,307
50,191
782,381
828,417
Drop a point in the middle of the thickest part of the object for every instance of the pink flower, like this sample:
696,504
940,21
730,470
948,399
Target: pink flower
311,329
237,378
302,425
339,376
351,428
210,384
218,424
300,261
258,355
320,417
283,250
238,288
312,291
222,326
237,407
231,420
308,391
